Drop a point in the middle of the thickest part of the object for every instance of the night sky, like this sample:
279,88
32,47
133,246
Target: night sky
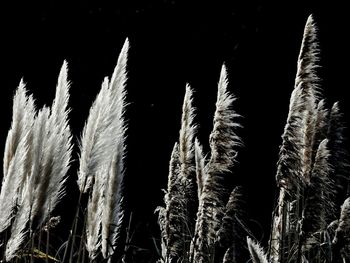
174,43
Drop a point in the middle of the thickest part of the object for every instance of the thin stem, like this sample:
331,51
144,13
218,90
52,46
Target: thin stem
73,237
47,245
73,229
4,245
82,237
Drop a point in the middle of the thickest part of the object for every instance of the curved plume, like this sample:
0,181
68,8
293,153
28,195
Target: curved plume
22,120
223,145
296,152
107,109
102,155
17,155
56,154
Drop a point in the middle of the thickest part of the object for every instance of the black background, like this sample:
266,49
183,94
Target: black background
174,42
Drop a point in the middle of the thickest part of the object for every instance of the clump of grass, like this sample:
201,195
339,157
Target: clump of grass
307,173
37,158
36,161
203,181
312,175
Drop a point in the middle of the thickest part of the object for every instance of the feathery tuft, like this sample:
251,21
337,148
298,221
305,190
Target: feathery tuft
223,140
102,154
200,167
307,77
173,216
94,150
228,231
339,158
10,190
57,149
342,233
113,213
299,141
94,215
187,132
256,252
19,231
17,155
98,141
22,120
318,197
223,145
187,174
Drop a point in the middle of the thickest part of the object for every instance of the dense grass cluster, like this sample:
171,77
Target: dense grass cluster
203,218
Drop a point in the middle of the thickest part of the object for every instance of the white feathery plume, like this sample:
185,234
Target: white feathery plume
308,132
48,159
321,123
186,138
93,148
308,81
223,140
19,230
257,254
308,59
10,188
96,142
318,197
302,105
94,215
229,230
223,145
187,174
21,227
56,156
113,213
61,139
177,219
59,108
294,158
24,217
22,119
16,156
102,152
118,82
171,219
40,129
200,166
